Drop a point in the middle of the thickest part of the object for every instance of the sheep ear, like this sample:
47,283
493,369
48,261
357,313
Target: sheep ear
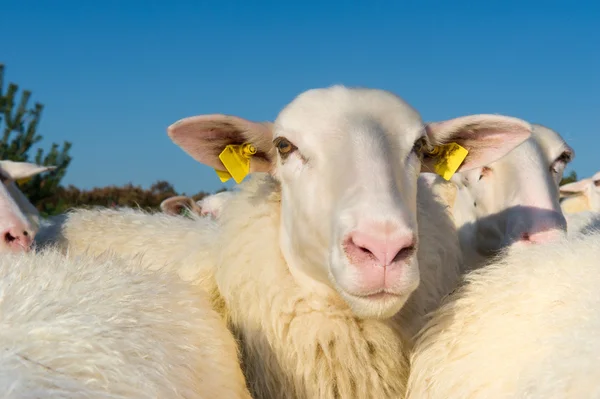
204,137
174,205
486,137
575,188
22,170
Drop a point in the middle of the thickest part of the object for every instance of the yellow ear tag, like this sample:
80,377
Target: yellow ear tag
23,181
236,159
223,175
449,158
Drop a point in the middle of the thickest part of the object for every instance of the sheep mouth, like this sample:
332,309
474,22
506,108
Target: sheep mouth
380,295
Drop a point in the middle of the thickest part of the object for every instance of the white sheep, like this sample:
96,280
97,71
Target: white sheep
316,258
84,327
582,195
314,283
512,201
19,219
208,206
525,326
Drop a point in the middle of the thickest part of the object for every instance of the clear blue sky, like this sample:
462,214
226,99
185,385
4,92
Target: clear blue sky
114,74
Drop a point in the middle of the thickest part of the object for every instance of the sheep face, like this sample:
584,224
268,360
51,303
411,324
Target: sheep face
211,205
515,199
348,162
19,219
588,188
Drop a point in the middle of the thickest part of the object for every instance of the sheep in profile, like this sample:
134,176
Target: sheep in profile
525,326
512,201
84,327
19,219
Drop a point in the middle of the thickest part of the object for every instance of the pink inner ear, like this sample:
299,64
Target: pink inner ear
203,137
487,137
194,136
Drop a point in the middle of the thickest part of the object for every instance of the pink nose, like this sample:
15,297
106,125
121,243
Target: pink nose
17,239
363,248
542,236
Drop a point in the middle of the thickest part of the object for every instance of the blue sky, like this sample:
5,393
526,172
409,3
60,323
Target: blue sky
114,74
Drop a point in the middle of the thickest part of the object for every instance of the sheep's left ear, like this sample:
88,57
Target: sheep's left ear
487,138
22,170
205,137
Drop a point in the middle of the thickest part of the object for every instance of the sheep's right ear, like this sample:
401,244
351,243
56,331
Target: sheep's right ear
204,137
174,205
575,188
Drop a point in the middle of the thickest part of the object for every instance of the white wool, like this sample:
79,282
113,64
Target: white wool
582,222
95,328
524,326
152,240
305,344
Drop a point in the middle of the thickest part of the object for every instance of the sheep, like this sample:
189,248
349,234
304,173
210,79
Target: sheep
208,206
524,326
582,195
307,273
19,219
85,327
512,201
300,275
580,202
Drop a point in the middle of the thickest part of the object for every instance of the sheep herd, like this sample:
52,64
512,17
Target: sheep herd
364,253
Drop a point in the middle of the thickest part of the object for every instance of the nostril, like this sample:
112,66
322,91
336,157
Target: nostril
25,233
363,249
383,249
404,253
9,237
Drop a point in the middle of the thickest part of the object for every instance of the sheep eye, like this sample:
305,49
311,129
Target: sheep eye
420,146
284,146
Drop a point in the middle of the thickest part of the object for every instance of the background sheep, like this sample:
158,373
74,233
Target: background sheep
19,219
207,206
582,195
525,326
512,200
95,328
